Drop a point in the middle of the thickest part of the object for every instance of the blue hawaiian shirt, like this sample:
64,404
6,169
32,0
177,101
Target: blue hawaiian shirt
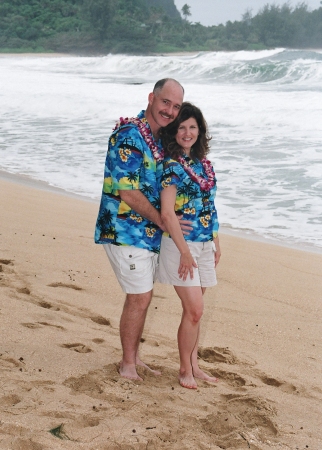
193,203
129,164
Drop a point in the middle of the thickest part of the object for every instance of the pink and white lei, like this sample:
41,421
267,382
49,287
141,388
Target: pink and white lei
142,124
145,131
205,185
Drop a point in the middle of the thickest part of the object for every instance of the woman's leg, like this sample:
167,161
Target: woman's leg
192,304
197,372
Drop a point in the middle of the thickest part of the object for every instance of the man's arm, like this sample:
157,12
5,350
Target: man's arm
140,204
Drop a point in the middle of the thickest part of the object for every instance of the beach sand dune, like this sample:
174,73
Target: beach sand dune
60,306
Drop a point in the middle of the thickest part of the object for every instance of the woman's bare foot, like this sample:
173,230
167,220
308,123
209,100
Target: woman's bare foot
187,381
198,373
129,372
142,364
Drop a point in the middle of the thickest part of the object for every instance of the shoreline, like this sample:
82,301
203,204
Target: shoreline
41,55
252,236
164,54
73,55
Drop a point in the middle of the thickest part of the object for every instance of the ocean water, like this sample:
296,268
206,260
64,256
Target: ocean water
264,112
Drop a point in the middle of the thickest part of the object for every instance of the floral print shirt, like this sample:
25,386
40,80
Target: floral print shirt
193,203
129,165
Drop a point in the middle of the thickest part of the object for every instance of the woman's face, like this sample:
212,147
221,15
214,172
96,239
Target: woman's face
187,134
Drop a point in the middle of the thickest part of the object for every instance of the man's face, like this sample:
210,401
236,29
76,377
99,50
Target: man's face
165,105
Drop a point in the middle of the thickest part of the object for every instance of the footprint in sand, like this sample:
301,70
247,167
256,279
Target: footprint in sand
241,420
98,340
231,378
90,384
6,262
30,325
217,354
5,270
48,305
9,400
65,285
52,325
285,387
83,422
78,347
8,363
101,320
24,290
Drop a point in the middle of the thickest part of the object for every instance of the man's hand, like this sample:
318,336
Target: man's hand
185,225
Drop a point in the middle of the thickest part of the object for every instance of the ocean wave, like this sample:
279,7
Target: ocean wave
278,66
57,114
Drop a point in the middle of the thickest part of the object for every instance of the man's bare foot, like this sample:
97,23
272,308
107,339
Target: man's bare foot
187,381
129,372
198,373
142,364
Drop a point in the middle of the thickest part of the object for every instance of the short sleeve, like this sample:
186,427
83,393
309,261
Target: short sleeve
125,158
172,173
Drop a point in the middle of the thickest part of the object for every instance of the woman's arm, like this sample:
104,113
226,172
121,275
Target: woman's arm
168,216
217,251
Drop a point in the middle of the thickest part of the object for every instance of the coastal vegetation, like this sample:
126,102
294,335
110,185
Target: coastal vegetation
93,27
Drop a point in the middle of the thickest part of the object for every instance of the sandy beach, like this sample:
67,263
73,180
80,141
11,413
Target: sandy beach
60,306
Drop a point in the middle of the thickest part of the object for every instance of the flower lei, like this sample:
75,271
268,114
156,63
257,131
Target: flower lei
205,185
145,131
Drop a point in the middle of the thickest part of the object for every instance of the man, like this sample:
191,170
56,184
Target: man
129,224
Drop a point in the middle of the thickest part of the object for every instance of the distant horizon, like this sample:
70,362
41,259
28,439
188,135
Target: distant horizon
215,12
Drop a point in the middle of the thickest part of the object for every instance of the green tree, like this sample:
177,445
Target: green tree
247,16
143,26
185,10
100,15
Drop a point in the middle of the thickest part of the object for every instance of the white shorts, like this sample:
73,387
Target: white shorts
134,267
202,252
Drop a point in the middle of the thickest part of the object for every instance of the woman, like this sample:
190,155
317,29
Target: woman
188,262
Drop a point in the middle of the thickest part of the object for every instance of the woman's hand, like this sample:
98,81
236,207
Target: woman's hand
187,263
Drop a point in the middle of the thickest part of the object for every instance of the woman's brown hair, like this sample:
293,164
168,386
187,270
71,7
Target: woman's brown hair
168,134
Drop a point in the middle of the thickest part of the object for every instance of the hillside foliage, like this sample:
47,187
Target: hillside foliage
148,26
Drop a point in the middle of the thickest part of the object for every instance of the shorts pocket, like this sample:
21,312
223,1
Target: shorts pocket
135,262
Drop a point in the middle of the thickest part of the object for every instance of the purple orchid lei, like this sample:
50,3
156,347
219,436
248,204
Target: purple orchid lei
205,185
145,131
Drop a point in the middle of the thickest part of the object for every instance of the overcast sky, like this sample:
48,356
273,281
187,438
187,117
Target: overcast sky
213,12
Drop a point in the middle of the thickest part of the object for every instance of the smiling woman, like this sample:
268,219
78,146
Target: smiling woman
188,188
187,134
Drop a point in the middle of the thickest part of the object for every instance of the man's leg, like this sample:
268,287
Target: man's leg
134,268
131,329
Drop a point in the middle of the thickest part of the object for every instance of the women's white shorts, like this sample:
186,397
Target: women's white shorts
202,252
